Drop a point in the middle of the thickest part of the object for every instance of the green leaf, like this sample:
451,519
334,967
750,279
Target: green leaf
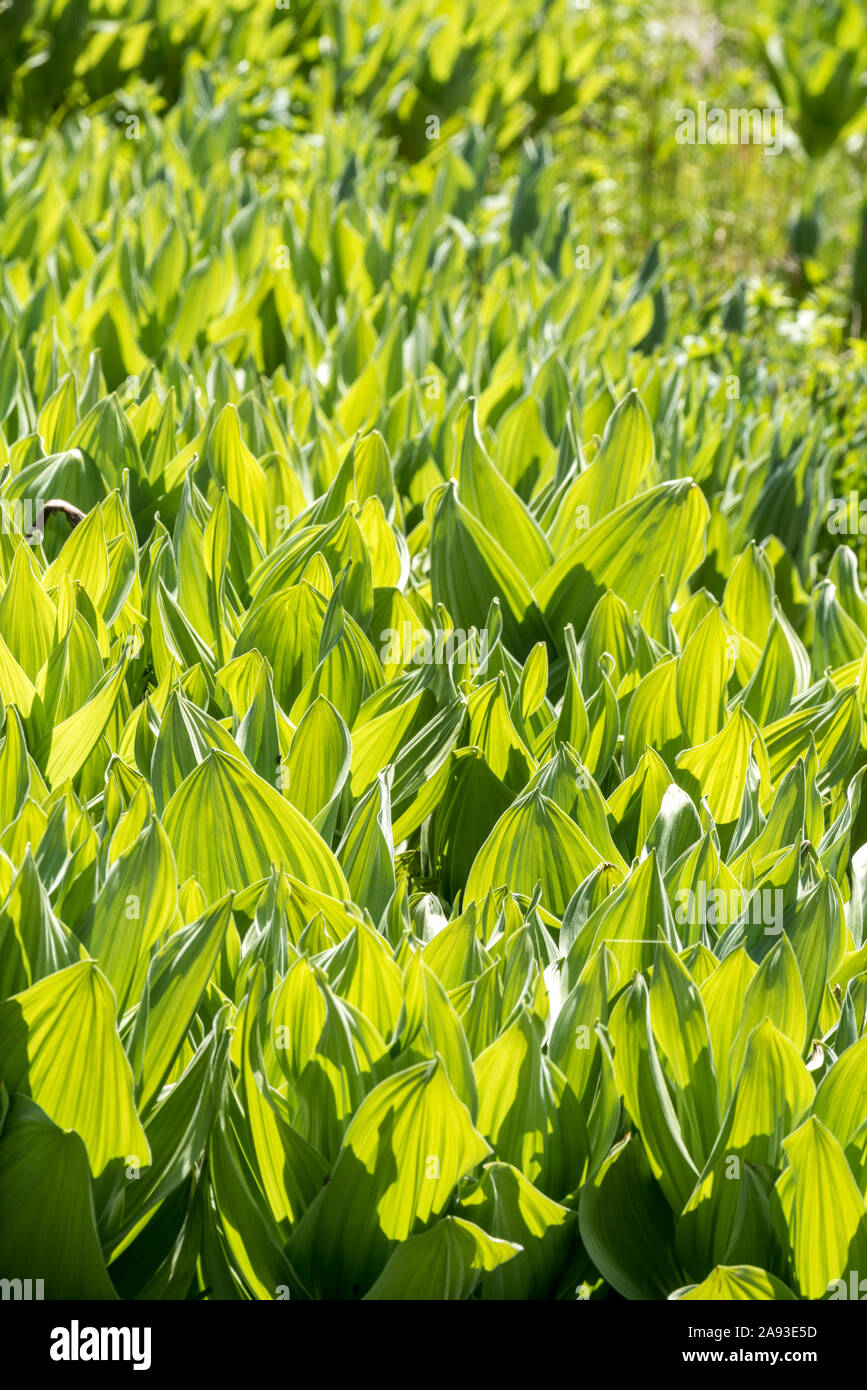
430,1027
361,970
736,1284
469,569
27,615
317,764
533,842
774,992
821,1211
717,769
472,802
445,1262
127,920
59,1046
841,1098
727,1217
529,1113
227,827
69,744
329,1052
627,1225
47,1217
289,1169
33,942
176,979
661,531
491,500
642,1085
366,852
680,1028
624,459
702,675
506,1205
409,1143
239,473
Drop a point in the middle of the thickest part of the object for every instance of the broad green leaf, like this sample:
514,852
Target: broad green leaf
69,744
680,1028
290,1170
33,942
727,1217
642,1085
227,827
47,1215
529,1113
409,1143
660,531
774,992
59,1046
469,569
506,1205
361,970
136,905
702,675
821,1211
490,499
238,472
176,980
841,1098
736,1284
366,852
717,769
533,842
27,615
445,1262
627,1225
625,457
317,764
430,1027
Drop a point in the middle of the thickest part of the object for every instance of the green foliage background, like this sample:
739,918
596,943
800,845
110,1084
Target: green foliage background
337,966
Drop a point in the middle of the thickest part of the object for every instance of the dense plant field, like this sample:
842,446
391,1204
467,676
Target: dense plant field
433,658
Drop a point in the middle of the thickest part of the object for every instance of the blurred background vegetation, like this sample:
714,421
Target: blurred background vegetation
579,91
513,129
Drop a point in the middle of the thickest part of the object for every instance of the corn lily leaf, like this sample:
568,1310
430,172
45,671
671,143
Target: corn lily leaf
126,922
50,1035
533,842
409,1143
176,980
289,1169
68,745
822,1248
469,569
317,765
506,1205
736,1284
662,528
227,827
528,1111
642,1084
637,1258
445,1262
841,1093
47,1214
